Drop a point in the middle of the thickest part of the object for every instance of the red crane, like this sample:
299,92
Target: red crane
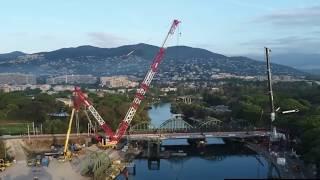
139,96
144,86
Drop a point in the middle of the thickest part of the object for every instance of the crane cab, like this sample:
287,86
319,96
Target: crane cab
106,144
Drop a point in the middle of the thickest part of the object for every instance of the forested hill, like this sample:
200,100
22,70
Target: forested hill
112,61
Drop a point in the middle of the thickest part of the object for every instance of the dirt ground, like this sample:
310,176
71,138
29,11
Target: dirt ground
20,171
15,149
55,171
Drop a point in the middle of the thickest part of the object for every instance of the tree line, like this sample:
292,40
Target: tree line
33,106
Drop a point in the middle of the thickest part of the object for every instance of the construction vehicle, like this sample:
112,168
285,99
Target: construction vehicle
113,138
38,160
31,162
2,165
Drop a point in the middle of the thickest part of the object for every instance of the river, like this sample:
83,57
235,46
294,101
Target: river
159,113
217,161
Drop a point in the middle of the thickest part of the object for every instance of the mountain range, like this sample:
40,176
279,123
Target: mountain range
301,61
179,61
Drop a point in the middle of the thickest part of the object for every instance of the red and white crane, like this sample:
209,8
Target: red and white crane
80,98
144,86
139,96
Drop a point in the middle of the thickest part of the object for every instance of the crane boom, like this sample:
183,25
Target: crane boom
144,86
83,99
65,151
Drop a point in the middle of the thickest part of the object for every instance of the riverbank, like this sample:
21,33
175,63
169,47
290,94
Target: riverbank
287,171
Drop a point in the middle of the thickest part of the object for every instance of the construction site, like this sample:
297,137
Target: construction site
40,159
107,153
88,156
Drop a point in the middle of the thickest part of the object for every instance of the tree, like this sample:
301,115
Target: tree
311,147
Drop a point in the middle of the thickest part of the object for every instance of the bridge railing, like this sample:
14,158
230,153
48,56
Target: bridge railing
180,126
190,130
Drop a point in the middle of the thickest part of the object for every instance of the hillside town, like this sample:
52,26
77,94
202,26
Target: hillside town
19,82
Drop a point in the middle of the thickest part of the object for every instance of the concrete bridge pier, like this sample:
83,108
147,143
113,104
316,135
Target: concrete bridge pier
153,154
270,170
154,146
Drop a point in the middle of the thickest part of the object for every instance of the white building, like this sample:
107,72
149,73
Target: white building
63,88
117,81
72,79
168,89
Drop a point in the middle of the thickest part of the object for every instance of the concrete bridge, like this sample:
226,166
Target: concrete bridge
197,135
168,135
174,128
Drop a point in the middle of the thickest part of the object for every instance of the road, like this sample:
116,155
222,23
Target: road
237,134
231,134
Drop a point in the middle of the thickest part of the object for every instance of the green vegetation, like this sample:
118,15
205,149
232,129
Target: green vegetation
14,128
27,106
192,110
19,108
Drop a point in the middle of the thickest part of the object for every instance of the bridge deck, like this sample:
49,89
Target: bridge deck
238,134
143,136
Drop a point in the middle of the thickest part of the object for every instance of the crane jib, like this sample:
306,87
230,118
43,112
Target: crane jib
143,87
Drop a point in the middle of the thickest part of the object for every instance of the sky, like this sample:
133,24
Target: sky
229,27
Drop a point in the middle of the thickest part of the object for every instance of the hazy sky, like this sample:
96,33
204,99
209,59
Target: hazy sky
231,27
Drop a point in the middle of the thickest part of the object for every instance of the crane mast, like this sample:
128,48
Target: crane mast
144,86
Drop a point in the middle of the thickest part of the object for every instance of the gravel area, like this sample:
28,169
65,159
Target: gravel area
55,171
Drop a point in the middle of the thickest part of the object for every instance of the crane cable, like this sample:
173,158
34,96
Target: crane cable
178,41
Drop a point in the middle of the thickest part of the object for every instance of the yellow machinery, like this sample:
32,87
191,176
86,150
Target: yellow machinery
66,153
104,144
4,165
31,162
